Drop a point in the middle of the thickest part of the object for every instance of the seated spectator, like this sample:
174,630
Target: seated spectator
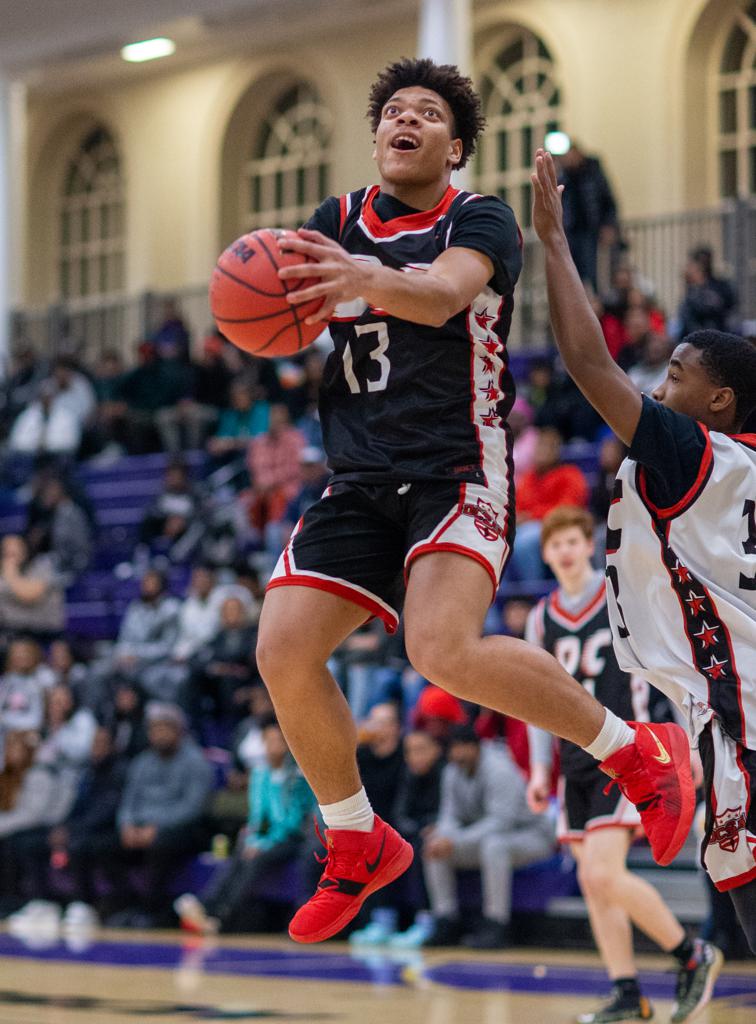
16,757
85,836
549,483
564,408
437,713
709,301
651,367
524,434
637,330
148,632
380,758
611,456
172,332
224,669
123,714
484,823
137,396
187,423
60,528
176,514
160,818
42,800
247,743
67,735
23,688
300,395
315,476
418,797
20,387
55,421
246,416
31,591
275,469
70,671
110,419
279,803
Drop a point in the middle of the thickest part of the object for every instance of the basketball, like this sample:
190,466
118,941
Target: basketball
248,298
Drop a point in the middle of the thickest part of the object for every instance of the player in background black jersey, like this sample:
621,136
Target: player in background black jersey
572,623
419,292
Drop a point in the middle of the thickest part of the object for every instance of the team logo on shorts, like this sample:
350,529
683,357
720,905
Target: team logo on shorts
486,519
727,828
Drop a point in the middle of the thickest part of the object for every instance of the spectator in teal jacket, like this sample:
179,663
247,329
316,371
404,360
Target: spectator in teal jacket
279,802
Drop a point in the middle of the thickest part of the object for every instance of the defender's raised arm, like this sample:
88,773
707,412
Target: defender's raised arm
577,331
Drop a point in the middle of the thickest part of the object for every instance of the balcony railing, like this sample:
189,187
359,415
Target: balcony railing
658,248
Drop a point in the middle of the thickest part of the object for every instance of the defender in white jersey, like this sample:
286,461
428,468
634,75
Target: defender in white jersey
681,541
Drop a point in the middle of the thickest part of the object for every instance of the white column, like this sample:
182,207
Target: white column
445,35
5,223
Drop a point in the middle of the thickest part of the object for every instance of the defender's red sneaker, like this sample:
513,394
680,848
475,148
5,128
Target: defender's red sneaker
654,774
357,863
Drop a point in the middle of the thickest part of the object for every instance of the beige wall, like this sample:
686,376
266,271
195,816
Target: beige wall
636,77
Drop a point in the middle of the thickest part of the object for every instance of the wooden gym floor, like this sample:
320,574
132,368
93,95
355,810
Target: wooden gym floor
123,978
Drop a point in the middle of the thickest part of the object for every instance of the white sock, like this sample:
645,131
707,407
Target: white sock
614,735
354,813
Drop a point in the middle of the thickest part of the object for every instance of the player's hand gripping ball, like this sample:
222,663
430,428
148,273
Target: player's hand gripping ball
248,298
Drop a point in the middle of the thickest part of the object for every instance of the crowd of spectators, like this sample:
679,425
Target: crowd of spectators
122,760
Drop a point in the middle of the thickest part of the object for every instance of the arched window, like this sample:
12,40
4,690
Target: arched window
521,100
737,108
91,244
288,173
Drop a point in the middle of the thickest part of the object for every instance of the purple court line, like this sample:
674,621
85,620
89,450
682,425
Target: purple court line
371,967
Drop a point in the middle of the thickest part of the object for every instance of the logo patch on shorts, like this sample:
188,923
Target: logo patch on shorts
486,519
727,828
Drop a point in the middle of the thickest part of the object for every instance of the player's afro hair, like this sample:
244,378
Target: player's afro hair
730,361
444,79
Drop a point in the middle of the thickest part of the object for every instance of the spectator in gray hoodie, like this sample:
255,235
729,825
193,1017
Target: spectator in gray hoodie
161,816
148,634
23,687
484,823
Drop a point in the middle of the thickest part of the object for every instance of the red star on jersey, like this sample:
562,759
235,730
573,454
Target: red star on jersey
490,419
695,603
708,635
491,346
715,668
682,572
488,365
490,392
483,319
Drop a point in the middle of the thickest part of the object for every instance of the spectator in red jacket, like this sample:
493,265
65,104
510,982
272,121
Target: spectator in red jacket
549,483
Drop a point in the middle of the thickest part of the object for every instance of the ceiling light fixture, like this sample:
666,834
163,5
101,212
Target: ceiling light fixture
148,49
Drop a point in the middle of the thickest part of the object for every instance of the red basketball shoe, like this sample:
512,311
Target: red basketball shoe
357,863
654,774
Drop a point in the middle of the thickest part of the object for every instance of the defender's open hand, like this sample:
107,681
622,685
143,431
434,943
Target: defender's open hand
547,198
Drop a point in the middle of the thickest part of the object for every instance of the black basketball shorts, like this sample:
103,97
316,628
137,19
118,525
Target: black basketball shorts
359,540
584,807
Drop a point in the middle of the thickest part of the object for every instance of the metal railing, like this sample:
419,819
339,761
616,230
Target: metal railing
658,247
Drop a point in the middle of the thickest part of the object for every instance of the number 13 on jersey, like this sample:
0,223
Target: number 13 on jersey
377,354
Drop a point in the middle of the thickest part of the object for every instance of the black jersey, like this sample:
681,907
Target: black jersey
404,401
582,644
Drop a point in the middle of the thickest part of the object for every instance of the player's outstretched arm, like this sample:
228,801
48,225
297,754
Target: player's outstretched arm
577,331
431,298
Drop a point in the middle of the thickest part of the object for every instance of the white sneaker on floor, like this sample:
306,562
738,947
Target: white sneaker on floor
80,915
193,916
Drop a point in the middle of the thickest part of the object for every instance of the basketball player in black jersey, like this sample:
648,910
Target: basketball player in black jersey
416,280
572,623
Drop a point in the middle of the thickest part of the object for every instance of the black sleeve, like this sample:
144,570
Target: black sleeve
326,219
488,225
670,446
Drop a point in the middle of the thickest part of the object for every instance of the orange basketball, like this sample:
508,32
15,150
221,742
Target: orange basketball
248,298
